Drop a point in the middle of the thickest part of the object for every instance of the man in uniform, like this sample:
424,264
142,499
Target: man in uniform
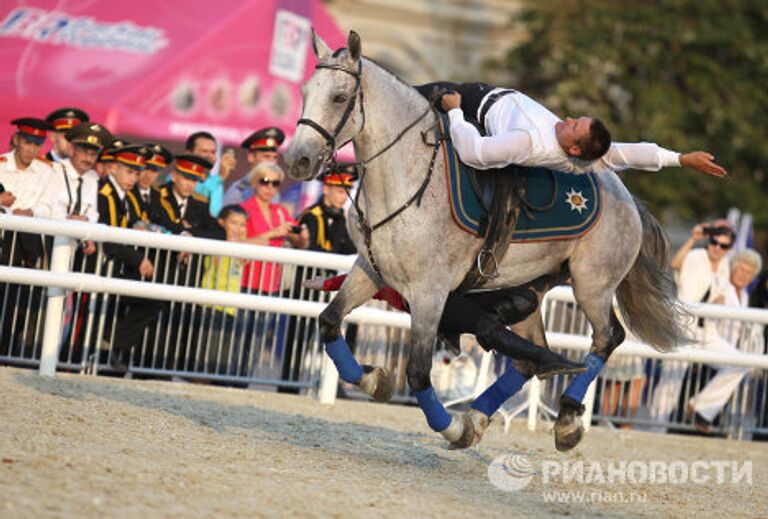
146,190
327,228
261,146
182,211
24,180
119,207
62,120
74,188
105,163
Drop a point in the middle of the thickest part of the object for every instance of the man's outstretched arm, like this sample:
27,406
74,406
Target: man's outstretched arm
652,157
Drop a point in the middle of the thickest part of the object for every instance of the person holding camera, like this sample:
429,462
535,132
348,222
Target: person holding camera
703,275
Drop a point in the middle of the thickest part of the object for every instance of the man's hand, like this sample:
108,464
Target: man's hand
7,199
23,212
451,100
89,248
702,161
146,269
228,164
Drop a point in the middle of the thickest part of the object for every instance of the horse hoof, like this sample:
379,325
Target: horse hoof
480,422
569,427
466,438
376,383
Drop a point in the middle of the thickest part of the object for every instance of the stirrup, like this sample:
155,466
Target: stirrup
494,264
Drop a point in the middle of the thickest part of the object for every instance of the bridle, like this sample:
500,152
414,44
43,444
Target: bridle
330,141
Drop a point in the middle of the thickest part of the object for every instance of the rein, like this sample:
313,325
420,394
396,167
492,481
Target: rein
330,139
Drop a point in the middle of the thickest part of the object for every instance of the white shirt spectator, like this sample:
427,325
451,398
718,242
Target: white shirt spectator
29,186
697,276
522,131
64,192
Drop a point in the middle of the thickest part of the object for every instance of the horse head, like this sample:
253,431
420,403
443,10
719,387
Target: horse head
332,112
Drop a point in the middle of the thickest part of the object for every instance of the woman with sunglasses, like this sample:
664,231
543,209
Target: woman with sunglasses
704,274
268,224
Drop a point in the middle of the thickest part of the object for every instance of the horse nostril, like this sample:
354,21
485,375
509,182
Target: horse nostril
301,167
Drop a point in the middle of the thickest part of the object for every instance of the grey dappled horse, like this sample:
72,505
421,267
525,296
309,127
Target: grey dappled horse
407,236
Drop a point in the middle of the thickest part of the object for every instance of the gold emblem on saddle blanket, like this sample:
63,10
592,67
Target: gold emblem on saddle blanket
576,200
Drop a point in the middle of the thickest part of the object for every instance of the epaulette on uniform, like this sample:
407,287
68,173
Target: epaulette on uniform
106,189
3,159
200,198
163,192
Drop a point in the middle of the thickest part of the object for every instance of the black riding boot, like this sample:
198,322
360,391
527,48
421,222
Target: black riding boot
494,335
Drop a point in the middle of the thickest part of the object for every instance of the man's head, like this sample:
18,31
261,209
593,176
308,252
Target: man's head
62,120
105,164
29,137
88,139
262,145
202,144
584,138
158,160
128,162
190,169
336,183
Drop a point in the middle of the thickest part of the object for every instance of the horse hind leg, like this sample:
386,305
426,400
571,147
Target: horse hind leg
608,333
358,288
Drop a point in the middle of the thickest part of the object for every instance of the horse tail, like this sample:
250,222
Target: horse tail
647,295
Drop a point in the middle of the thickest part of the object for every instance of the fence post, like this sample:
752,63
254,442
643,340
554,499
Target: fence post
329,381
534,394
589,405
60,259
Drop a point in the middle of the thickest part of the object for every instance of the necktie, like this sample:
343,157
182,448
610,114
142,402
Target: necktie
79,195
182,208
145,197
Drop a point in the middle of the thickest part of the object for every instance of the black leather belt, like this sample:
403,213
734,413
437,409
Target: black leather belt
492,98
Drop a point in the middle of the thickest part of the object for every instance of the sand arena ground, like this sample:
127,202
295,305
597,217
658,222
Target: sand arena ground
80,446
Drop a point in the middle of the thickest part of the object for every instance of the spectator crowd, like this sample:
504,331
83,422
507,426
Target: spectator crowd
92,176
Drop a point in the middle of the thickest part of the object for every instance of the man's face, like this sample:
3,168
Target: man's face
183,186
205,148
147,178
61,145
334,196
83,158
571,132
26,151
257,157
125,176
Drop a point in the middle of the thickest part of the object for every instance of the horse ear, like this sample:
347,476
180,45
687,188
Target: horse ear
321,49
353,44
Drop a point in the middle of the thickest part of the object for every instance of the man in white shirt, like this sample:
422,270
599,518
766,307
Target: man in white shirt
524,132
75,187
25,180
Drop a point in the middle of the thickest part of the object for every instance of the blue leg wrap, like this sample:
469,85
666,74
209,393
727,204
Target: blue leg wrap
505,386
349,369
578,386
437,417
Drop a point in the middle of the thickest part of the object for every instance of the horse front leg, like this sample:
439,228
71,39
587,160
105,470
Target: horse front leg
426,312
358,287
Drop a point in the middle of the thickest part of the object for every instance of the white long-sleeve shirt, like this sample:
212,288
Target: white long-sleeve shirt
29,186
522,131
64,192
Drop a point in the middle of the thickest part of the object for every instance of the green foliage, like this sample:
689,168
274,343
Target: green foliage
686,74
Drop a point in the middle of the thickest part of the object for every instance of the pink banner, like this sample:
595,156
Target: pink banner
160,68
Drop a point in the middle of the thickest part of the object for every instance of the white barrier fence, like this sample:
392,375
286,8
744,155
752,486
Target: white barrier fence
384,334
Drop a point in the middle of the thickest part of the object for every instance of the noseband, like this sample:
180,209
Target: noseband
330,138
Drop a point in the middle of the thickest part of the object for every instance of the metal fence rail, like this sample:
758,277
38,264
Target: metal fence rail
63,310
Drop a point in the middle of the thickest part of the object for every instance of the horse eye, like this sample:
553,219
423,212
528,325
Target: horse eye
340,98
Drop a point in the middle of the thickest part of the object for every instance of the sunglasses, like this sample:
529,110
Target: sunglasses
724,246
265,182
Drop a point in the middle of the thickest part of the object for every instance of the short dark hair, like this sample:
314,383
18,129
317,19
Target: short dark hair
598,142
232,209
192,139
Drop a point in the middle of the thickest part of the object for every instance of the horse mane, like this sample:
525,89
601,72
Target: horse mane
338,52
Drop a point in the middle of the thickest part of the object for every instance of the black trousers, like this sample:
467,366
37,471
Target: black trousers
472,95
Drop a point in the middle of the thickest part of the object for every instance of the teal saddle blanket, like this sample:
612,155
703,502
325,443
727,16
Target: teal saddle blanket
555,205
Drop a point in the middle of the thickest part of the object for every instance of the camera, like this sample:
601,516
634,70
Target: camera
711,230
